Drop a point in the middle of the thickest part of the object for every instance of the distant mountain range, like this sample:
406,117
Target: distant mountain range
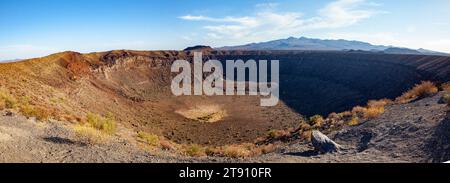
304,43
6,61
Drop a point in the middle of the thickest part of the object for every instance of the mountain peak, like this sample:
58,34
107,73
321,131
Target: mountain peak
312,44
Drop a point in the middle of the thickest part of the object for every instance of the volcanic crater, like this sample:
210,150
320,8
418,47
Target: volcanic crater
135,87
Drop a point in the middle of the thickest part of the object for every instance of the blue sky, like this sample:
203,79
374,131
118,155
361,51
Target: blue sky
32,28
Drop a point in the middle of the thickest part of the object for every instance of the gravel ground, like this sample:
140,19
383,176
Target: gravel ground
411,132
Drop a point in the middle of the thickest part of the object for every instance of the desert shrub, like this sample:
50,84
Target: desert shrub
236,151
334,117
92,135
316,121
105,124
353,121
424,89
7,100
27,110
42,113
211,151
97,128
264,149
373,109
150,139
275,134
194,150
304,127
359,111
378,103
345,114
373,112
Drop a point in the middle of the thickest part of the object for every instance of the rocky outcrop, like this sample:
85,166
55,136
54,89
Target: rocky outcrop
324,144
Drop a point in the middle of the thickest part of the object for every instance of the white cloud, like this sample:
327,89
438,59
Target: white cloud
267,6
341,13
269,24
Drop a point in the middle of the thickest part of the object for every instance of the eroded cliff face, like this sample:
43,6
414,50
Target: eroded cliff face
135,86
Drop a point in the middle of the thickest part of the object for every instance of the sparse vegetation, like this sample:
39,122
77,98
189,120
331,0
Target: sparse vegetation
7,101
40,113
194,150
236,151
354,120
373,109
316,121
96,128
150,139
92,135
372,113
425,89
275,134
105,124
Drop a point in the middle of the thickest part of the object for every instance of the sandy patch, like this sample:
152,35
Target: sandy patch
204,113
7,133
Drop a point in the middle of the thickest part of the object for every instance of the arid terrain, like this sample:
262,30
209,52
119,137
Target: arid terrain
117,107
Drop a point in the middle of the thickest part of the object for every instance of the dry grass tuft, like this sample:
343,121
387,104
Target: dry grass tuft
7,101
105,124
92,135
236,151
422,90
97,129
194,150
276,134
373,112
373,109
40,113
316,121
150,139
353,121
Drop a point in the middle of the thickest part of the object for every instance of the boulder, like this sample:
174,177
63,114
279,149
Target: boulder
323,144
